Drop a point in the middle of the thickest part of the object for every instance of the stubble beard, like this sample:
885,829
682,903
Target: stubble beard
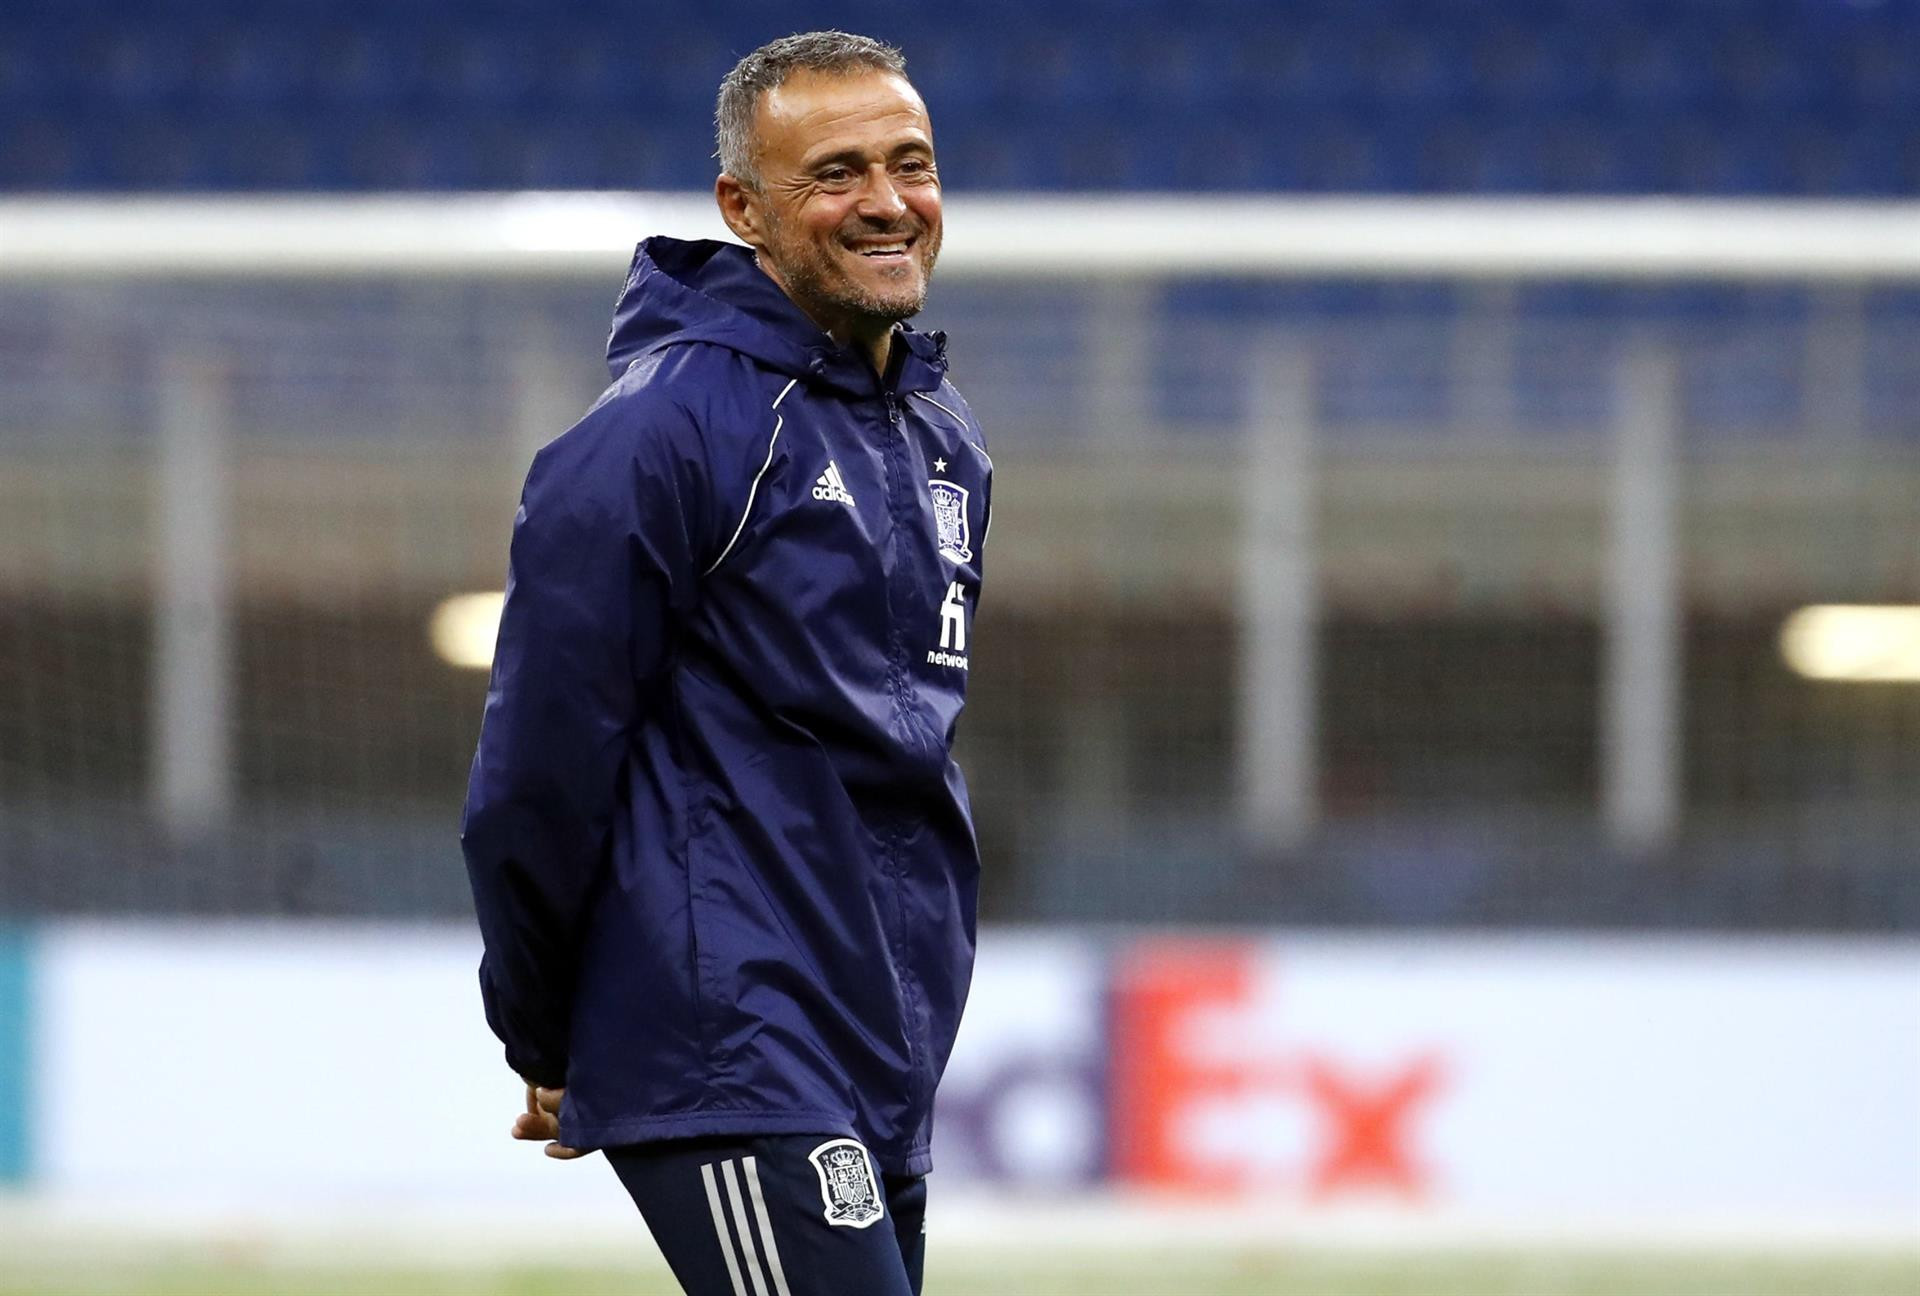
825,291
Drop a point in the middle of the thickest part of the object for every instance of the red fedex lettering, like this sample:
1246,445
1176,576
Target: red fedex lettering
1162,1074
1159,989
1368,1125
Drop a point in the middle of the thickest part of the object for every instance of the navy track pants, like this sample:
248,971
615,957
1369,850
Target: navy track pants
786,1215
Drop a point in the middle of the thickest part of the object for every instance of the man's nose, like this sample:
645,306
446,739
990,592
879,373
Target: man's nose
879,199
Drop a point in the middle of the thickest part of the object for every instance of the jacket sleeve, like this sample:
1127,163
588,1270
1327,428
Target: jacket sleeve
601,566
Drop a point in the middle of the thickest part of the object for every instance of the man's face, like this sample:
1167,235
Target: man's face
847,219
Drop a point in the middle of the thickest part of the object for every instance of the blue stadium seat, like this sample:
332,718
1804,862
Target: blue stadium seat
573,69
1883,73
1827,161
1314,66
265,152
1891,379
42,152
1744,361
1428,70
1588,153
162,154
489,69
1662,68
45,67
273,66
376,69
141,71
1766,69
1518,67
1335,153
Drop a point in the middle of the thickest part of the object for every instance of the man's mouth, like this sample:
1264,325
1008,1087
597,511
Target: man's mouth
888,249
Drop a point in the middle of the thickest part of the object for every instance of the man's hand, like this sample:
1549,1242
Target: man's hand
541,1121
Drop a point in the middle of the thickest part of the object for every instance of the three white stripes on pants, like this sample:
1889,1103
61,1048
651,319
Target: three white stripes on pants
729,1173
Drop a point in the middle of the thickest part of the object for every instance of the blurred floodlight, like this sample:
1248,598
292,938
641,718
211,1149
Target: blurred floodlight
1864,643
464,627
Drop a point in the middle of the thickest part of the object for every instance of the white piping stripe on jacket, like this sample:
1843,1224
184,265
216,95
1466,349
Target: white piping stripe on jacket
766,1227
957,419
720,1228
778,422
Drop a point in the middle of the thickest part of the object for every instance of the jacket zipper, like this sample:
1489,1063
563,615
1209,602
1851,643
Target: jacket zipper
913,1005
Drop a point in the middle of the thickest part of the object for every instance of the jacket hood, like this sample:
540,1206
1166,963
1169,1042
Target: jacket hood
705,291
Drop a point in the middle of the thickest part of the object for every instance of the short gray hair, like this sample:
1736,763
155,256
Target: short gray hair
768,68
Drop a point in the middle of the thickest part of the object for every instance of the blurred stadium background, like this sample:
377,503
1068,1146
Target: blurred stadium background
1447,741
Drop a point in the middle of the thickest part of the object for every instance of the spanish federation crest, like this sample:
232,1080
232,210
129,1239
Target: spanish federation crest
847,1185
950,520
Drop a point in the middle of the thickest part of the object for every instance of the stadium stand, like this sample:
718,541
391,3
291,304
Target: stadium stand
1799,97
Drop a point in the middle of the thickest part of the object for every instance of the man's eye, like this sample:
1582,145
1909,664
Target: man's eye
835,175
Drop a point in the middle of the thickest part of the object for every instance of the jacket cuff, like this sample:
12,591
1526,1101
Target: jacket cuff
539,1072
545,1067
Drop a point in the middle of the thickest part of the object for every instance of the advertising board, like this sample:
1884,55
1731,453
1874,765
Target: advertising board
16,1026
1547,1079
1550,1076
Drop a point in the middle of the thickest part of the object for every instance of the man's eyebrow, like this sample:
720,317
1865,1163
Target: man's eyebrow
858,157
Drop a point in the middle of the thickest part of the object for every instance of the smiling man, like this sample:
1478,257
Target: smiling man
722,858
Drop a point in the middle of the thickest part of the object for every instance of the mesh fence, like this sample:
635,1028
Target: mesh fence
228,511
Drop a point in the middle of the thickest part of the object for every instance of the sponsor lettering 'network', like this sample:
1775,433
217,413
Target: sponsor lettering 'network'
953,629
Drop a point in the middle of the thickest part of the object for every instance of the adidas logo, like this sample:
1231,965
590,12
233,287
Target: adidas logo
830,487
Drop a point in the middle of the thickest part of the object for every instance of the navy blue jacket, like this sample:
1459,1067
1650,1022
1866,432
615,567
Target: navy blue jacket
722,857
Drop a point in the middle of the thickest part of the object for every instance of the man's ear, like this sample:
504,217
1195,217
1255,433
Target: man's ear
740,209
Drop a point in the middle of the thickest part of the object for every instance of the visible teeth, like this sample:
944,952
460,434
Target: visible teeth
883,250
